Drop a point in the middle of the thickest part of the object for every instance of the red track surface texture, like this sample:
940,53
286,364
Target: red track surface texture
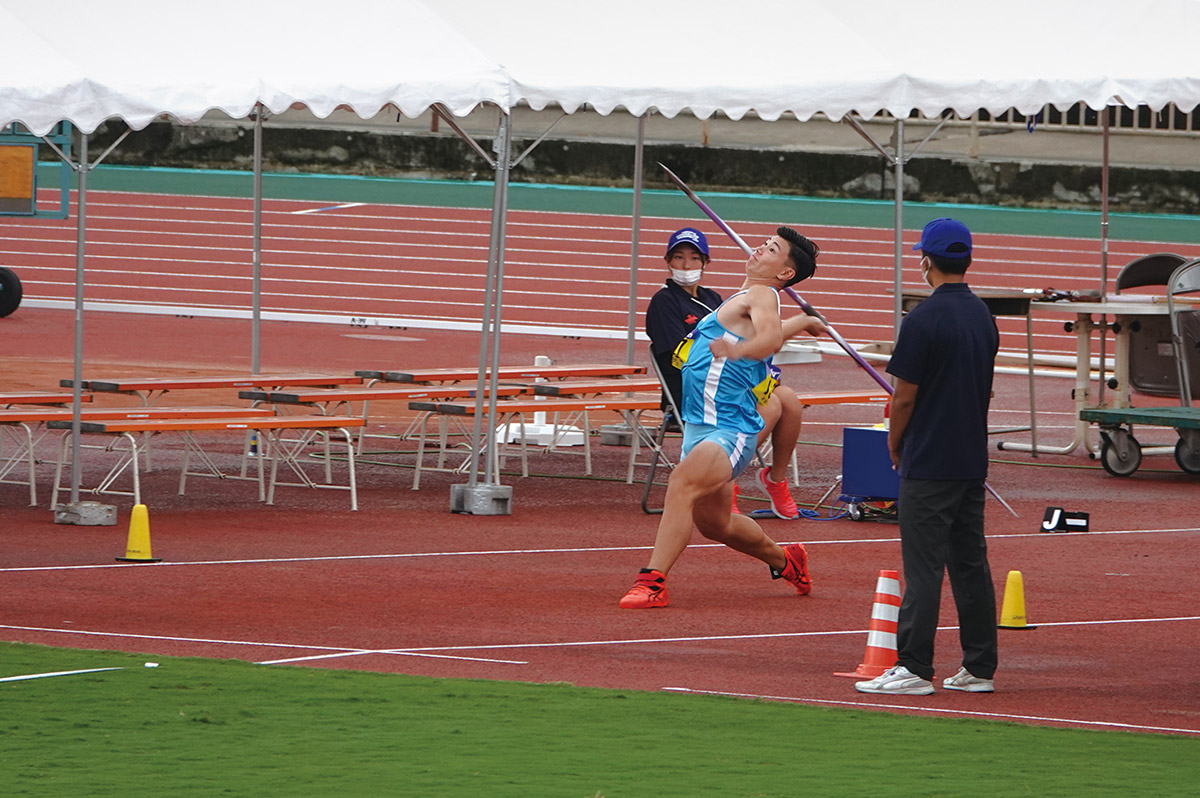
392,264
403,585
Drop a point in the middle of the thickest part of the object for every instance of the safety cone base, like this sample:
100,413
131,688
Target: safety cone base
1020,628
865,671
138,559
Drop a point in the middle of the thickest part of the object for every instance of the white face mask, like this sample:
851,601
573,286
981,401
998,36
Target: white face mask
689,277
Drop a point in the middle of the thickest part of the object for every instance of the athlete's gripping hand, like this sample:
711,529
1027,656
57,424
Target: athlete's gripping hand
719,347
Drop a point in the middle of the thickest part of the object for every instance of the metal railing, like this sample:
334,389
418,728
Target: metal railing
1168,121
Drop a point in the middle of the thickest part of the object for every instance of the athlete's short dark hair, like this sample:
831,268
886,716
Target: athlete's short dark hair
801,252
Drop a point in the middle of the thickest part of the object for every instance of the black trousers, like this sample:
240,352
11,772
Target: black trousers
941,530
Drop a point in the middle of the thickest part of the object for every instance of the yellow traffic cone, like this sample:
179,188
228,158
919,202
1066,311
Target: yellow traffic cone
1012,613
138,547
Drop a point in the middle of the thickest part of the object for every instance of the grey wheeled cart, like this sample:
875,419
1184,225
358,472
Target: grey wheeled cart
1120,452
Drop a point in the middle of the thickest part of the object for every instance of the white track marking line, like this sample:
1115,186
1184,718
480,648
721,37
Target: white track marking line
29,676
935,710
335,652
1076,536
329,208
340,650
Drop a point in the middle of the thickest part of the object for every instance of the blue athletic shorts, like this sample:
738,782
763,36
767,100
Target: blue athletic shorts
739,446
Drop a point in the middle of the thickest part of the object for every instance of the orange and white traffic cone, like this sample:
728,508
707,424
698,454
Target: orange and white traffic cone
881,633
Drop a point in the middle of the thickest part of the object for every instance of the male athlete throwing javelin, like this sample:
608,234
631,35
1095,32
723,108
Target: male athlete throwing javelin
725,376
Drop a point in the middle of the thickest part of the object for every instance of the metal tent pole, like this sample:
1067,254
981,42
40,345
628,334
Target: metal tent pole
638,155
898,271
77,389
489,498
256,310
89,513
1103,245
503,149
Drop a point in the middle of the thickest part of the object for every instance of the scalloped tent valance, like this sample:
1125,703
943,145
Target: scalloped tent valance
770,58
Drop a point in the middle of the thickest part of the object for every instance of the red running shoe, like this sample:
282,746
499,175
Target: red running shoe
795,570
781,498
648,592
734,508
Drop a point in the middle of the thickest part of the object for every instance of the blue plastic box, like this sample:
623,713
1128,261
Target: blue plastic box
866,466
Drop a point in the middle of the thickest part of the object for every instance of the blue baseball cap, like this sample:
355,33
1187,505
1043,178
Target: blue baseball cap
945,238
688,235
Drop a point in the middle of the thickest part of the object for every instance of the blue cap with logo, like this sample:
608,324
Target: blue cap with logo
688,235
945,238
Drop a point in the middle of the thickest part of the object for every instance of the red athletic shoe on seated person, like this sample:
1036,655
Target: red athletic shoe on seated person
781,498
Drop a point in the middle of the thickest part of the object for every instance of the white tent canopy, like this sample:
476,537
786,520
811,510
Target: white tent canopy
769,57
824,56
86,64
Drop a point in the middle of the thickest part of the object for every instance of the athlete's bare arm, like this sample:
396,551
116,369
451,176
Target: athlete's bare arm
803,323
755,317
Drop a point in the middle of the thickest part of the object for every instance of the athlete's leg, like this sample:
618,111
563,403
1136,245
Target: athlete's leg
702,476
738,532
785,409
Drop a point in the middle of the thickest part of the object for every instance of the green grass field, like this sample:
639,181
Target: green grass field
195,727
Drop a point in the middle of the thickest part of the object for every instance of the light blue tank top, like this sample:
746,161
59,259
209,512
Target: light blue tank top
718,391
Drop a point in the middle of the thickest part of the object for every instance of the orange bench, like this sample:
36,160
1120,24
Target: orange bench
594,387
136,432
151,389
41,398
842,397
510,373
22,425
513,412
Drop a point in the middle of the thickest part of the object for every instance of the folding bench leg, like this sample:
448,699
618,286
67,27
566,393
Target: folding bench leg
279,451
125,460
424,426
24,451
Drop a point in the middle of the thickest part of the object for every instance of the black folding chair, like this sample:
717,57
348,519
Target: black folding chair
672,421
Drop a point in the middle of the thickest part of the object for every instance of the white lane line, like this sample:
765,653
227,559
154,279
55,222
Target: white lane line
329,208
580,550
934,710
28,676
339,650
335,652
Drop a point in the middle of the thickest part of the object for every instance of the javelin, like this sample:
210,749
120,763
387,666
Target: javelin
807,308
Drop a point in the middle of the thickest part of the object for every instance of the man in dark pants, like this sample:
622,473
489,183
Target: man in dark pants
943,363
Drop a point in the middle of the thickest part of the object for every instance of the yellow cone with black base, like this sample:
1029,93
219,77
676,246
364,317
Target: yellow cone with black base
138,547
1012,613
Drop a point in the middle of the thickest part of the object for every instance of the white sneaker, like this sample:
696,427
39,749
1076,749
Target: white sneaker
897,680
963,680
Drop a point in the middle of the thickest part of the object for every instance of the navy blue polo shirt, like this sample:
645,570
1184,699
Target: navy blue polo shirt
947,347
673,313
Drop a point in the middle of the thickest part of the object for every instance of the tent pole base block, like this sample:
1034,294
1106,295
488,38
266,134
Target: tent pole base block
86,514
481,499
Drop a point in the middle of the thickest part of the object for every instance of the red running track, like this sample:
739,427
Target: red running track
418,267
405,586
